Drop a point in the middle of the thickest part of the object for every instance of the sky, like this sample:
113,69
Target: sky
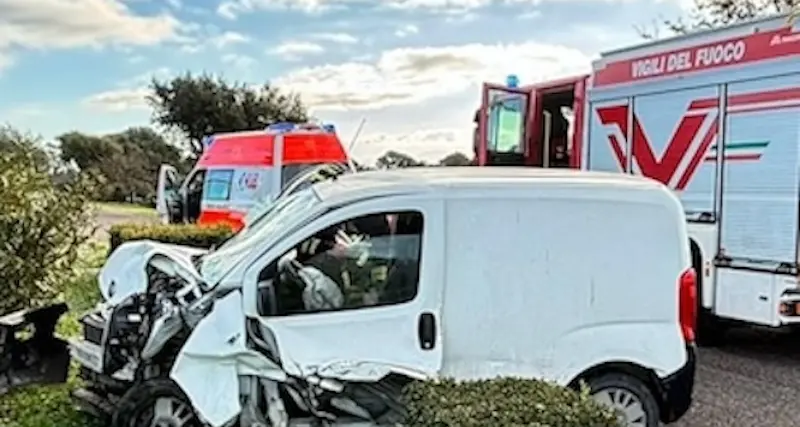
411,68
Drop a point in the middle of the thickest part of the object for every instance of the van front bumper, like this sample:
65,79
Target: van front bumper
676,389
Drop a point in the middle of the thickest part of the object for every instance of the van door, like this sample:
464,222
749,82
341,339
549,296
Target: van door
501,134
356,311
166,191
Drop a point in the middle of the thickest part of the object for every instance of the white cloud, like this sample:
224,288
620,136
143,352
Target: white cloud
232,8
229,38
341,38
119,100
78,23
239,61
176,4
293,50
5,61
406,30
428,144
412,75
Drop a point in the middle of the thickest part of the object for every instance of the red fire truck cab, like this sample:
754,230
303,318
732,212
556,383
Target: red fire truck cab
528,126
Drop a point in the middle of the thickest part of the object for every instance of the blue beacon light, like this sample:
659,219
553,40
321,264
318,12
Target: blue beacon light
512,81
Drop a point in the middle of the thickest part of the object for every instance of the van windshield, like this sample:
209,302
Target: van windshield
275,220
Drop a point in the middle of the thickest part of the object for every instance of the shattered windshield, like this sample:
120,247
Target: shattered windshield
282,214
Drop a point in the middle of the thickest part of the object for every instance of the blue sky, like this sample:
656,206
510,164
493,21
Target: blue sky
412,68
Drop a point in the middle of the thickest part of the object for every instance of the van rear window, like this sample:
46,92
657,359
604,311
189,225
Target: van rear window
218,185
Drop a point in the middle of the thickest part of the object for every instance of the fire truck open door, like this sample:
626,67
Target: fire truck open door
503,126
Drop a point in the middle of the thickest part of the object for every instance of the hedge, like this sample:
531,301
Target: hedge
180,234
502,402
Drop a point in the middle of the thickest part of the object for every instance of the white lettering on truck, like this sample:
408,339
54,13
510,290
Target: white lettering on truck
708,56
720,54
647,67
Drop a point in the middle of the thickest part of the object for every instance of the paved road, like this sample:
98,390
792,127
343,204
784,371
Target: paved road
753,381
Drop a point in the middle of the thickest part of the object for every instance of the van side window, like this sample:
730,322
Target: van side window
289,172
218,185
368,261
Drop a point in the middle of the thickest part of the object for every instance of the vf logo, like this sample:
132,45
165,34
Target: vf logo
682,154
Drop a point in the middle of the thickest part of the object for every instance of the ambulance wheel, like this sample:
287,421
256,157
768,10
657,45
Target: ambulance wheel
154,403
710,329
629,396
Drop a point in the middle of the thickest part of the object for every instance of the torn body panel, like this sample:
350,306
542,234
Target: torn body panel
228,370
40,358
125,272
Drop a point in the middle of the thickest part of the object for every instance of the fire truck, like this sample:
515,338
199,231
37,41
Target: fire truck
715,116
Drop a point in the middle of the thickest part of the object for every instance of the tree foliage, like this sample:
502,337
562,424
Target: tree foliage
42,224
127,162
201,105
710,14
395,159
455,159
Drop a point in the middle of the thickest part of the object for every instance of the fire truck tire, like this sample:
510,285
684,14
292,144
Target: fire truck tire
157,401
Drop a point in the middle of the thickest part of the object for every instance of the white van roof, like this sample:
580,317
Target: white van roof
363,185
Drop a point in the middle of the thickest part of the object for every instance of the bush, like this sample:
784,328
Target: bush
52,405
179,234
502,402
42,224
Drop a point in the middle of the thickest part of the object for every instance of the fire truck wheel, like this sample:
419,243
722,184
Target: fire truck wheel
156,402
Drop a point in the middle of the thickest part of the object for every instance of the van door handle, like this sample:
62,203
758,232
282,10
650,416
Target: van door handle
426,329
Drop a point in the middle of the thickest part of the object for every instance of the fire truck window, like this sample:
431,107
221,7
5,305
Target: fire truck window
218,185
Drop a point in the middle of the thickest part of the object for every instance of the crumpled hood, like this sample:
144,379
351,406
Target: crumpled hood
124,272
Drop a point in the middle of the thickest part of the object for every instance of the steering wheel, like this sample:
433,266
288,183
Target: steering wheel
290,267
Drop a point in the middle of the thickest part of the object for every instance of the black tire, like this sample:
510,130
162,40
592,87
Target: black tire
624,383
132,409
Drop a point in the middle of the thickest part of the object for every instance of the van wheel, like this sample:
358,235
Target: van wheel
154,403
629,396
710,330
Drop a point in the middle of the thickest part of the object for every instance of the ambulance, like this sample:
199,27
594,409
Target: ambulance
715,116
240,170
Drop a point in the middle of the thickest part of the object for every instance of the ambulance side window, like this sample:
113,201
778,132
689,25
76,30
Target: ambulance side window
218,185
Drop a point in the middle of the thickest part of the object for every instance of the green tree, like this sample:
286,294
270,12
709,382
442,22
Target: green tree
395,159
201,105
42,224
455,159
709,14
128,161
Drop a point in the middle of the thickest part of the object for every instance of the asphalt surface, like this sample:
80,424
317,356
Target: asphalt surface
751,381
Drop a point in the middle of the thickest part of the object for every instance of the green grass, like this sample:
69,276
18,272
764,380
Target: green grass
51,406
124,209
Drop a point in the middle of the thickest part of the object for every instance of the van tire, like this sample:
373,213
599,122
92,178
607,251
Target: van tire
619,384
142,397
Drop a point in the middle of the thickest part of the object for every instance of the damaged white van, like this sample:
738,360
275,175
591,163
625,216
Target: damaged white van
320,311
